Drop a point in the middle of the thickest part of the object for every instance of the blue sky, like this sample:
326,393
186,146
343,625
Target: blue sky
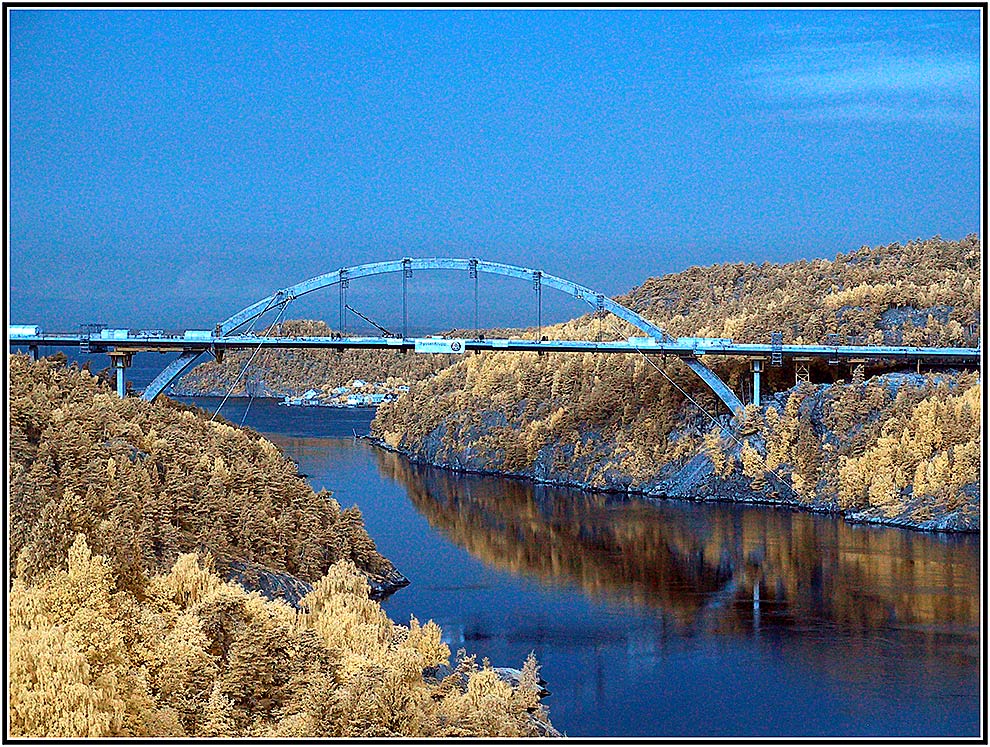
168,167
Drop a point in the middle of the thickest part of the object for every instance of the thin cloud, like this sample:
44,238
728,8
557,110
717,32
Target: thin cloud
867,82
930,114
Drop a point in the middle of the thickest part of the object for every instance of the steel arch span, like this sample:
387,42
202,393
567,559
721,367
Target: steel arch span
407,265
411,264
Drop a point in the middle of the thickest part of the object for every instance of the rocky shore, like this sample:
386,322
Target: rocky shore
696,481
724,473
286,587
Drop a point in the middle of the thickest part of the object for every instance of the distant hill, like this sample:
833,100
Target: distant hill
277,373
919,293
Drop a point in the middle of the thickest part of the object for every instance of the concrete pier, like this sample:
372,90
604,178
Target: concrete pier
757,368
121,362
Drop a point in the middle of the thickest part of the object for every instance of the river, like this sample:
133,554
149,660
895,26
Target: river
664,619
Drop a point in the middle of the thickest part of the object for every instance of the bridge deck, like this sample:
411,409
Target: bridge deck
684,347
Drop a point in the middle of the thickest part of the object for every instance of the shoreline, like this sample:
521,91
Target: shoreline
861,517
853,519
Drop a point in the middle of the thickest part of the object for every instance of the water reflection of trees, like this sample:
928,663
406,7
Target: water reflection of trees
721,567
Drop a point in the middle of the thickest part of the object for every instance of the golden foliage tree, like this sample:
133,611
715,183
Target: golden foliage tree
195,657
147,482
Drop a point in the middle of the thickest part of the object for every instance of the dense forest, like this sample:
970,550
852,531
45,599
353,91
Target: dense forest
146,483
625,422
123,514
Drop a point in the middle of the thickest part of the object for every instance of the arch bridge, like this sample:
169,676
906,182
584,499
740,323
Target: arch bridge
227,334
407,266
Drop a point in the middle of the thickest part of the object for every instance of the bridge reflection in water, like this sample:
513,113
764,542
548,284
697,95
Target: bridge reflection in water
725,568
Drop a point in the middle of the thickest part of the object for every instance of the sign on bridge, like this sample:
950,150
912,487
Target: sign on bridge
438,346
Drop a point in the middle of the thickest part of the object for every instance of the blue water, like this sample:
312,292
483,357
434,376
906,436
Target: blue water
671,619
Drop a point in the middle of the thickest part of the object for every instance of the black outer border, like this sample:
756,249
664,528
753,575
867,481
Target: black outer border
581,4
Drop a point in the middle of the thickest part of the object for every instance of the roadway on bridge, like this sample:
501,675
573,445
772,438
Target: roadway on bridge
691,346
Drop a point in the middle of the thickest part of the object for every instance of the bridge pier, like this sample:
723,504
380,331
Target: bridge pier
121,362
35,355
757,367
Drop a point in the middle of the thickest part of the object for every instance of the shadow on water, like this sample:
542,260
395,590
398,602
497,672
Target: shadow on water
705,567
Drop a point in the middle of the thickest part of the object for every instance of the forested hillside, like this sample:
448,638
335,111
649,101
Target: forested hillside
122,514
190,656
624,422
276,373
145,483
919,293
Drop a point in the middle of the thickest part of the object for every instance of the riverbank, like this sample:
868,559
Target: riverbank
898,449
840,429
620,597
712,489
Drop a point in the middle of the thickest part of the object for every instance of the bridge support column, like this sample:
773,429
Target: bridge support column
121,362
406,274
34,352
757,365
473,274
538,287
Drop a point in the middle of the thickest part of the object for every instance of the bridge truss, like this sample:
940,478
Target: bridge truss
408,265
